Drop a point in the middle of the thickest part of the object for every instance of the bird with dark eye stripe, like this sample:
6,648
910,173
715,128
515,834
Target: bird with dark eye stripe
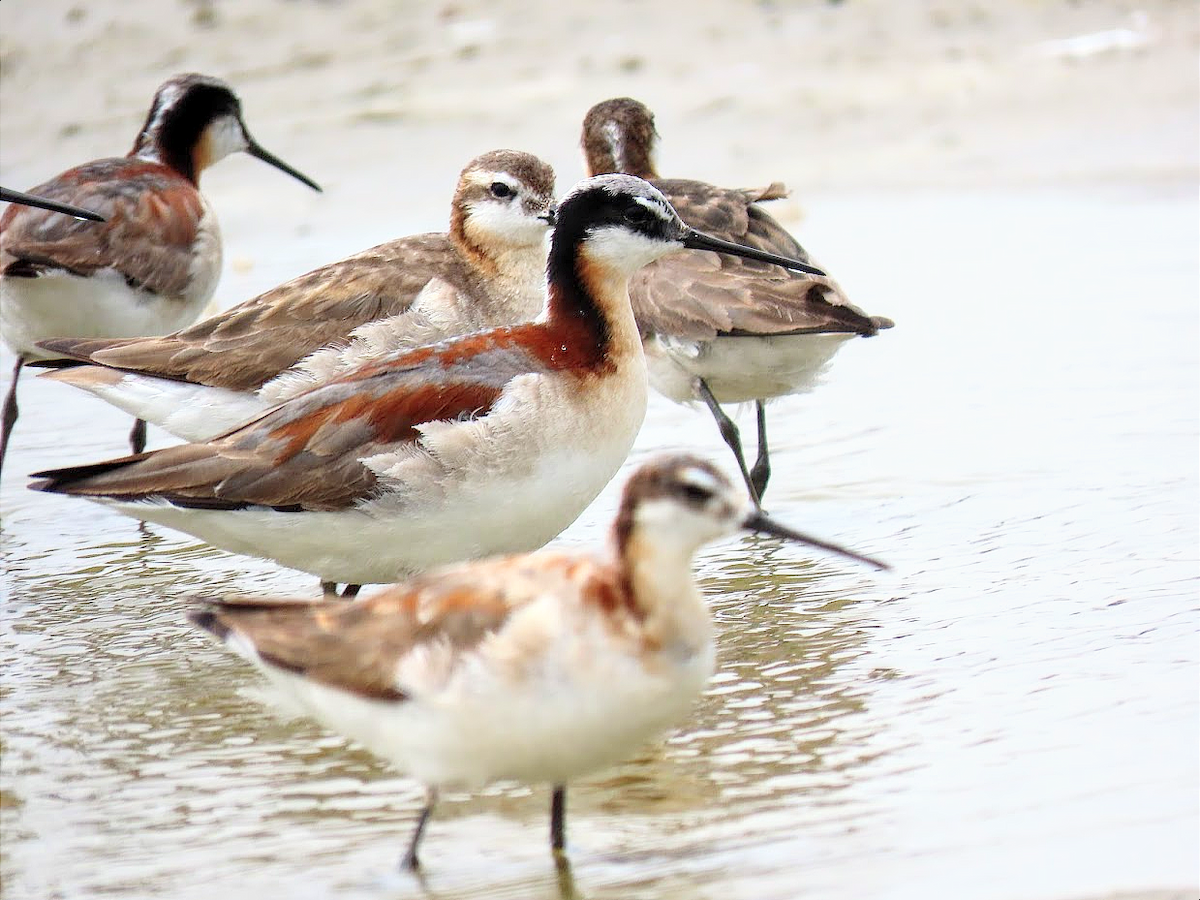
722,329
487,270
538,668
152,265
377,473
696,494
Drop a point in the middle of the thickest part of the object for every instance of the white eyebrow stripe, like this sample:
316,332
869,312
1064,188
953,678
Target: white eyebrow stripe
484,177
700,478
654,206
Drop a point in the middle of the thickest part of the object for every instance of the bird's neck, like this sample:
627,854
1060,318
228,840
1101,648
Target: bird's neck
513,273
614,151
587,303
671,612
172,140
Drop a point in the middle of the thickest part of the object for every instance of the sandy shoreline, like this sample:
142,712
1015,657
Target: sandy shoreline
383,110
831,97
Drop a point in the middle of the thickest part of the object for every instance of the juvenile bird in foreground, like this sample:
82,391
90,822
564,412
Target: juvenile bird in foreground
153,264
538,668
23,199
488,270
490,443
716,328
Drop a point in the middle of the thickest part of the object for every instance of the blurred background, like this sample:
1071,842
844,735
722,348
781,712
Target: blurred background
387,100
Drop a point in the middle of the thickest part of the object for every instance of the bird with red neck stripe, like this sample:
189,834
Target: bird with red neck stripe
153,265
489,443
537,668
719,329
488,270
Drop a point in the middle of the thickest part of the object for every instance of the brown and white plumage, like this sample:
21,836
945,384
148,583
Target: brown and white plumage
718,329
153,263
493,442
540,667
488,270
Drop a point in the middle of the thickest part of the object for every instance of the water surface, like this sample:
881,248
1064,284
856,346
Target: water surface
1013,712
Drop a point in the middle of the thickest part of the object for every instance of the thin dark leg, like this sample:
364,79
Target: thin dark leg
10,410
761,473
729,432
410,861
558,819
137,437
330,590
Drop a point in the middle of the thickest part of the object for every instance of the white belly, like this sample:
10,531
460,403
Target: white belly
59,304
386,541
506,483
740,369
583,703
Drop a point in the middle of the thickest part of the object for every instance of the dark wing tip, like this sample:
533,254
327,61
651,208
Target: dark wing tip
62,363
205,616
62,481
882,323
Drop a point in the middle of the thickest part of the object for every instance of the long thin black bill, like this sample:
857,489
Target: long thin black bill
698,240
271,159
758,521
53,205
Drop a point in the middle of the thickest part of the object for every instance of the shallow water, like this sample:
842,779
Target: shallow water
1012,712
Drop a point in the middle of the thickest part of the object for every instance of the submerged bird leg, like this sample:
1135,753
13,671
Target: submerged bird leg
761,473
137,437
729,432
410,861
565,878
329,588
558,819
10,409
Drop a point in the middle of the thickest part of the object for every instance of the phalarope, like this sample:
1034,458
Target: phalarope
490,443
153,265
487,271
717,328
538,668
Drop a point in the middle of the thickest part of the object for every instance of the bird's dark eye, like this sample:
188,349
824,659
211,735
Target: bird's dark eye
638,215
501,190
694,493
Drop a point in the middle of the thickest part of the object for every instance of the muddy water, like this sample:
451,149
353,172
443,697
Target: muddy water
1011,713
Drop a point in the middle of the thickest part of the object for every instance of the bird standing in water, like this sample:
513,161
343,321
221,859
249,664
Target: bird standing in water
489,443
488,270
153,264
537,668
720,329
